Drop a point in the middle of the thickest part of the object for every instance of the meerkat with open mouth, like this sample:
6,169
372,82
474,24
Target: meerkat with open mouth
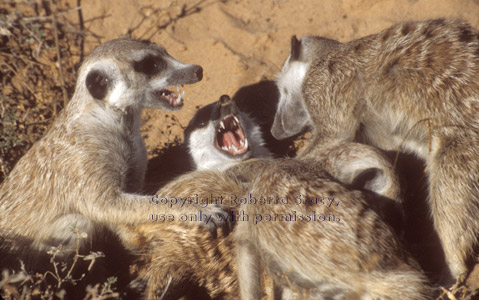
88,169
220,136
177,260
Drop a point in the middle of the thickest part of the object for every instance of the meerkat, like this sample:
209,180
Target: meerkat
183,260
87,171
179,260
220,135
411,87
176,259
320,239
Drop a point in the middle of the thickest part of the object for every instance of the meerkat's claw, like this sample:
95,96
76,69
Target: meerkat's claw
217,217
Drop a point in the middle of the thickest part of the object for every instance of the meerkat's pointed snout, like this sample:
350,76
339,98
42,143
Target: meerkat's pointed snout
225,100
198,72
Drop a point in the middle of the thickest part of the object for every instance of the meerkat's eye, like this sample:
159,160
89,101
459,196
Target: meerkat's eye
149,65
203,120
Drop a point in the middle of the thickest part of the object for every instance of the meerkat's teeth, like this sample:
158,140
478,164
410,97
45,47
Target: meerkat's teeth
241,143
222,125
236,120
183,94
224,148
234,148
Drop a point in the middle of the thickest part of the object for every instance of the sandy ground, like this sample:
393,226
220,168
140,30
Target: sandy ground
242,45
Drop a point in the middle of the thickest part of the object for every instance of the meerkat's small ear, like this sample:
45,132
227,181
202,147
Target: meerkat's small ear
97,84
295,47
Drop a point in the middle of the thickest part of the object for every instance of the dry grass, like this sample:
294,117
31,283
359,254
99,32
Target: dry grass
22,284
40,49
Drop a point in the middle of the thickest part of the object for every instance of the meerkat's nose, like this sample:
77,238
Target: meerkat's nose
198,72
225,100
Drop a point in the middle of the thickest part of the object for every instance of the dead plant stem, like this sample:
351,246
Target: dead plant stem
59,58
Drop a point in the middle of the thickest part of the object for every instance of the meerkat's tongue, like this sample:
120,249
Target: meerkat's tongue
229,140
230,136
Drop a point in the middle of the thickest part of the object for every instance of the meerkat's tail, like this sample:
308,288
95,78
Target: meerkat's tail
399,284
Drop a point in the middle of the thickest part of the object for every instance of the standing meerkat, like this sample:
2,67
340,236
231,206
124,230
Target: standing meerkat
87,170
414,87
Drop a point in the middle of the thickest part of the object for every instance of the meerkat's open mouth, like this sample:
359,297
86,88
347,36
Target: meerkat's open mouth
172,98
230,136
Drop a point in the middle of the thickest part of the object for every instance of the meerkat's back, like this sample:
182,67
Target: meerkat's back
424,70
412,87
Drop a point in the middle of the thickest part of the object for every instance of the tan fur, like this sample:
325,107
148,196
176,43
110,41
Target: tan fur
171,253
339,158
88,169
178,258
413,87
354,255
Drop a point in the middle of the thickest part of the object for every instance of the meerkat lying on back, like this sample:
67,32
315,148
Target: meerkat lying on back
85,172
413,86
220,136
176,259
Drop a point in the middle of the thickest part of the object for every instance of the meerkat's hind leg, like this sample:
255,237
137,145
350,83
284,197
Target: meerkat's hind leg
69,231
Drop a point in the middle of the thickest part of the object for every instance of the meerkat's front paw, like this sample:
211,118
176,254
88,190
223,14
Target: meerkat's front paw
216,216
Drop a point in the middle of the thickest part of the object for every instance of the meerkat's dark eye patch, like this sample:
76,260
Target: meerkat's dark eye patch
216,111
201,119
97,84
149,65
